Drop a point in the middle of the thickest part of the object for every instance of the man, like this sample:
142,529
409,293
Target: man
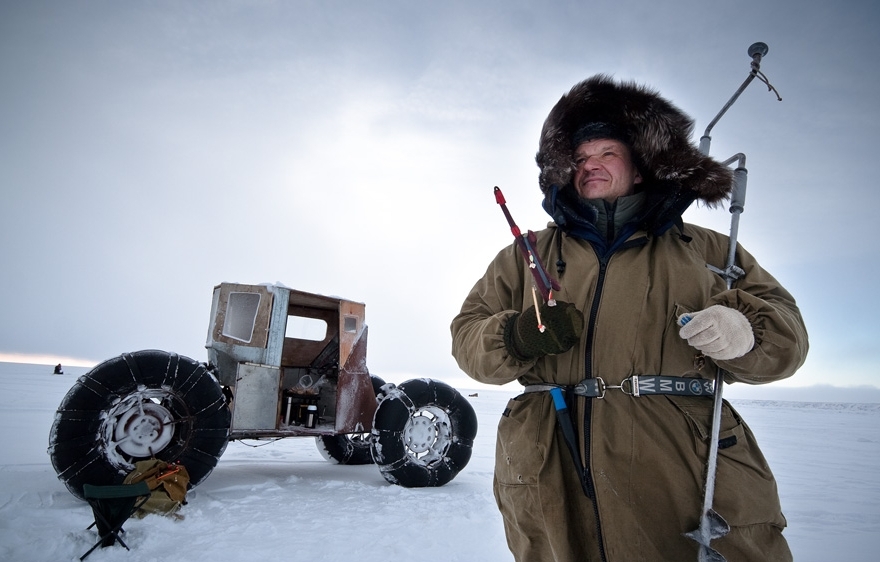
617,170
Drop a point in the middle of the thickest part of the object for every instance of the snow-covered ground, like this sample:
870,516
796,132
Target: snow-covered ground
283,501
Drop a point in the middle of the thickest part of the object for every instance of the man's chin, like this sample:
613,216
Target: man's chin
592,193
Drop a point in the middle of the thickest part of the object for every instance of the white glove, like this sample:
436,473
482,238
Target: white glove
719,331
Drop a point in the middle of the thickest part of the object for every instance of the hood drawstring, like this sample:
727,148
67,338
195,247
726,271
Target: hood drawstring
560,263
559,218
679,224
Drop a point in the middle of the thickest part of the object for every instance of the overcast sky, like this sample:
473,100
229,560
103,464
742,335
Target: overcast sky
151,150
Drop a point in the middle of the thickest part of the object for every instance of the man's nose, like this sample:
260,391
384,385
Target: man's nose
589,163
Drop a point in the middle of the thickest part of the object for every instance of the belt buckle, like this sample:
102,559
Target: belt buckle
634,386
591,390
633,389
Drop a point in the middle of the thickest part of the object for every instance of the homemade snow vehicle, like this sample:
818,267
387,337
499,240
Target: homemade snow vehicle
281,363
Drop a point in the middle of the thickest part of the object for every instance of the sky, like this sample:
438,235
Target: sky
151,150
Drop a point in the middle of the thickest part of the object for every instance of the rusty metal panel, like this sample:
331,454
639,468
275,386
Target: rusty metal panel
257,397
312,300
242,314
351,328
355,399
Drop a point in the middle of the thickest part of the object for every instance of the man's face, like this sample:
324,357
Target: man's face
604,170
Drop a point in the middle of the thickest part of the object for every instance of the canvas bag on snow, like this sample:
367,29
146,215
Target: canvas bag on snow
167,482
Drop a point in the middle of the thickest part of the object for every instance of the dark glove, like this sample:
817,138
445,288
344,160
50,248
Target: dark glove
563,325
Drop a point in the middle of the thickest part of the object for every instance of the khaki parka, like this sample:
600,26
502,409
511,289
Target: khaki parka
646,455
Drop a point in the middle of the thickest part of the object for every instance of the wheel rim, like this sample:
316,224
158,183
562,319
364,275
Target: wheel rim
427,434
141,425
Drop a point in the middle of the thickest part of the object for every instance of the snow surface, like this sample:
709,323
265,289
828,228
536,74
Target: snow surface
283,501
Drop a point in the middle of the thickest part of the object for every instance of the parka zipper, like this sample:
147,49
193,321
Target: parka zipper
587,475
588,373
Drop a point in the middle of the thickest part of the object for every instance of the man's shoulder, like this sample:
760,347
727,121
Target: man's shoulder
703,233
547,232
543,237
704,241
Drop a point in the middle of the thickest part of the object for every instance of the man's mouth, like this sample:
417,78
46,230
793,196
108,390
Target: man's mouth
595,179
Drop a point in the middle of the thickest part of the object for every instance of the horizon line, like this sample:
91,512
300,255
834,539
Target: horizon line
45,359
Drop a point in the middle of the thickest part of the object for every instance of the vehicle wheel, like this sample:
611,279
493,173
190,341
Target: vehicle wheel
423,433
138,406
349,448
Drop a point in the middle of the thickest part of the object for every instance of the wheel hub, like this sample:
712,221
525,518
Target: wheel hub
139,426
427,434
144,429
419,434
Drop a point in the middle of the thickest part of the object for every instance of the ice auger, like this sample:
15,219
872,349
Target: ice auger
713,525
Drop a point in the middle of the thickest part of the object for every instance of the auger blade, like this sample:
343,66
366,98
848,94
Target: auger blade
712,526
709,554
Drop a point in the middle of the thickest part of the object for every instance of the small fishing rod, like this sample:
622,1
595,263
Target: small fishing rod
543,283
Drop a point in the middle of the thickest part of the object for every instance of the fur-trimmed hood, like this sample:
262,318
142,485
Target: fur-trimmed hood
656,130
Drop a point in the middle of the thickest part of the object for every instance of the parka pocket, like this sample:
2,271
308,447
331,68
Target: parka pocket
697,410
745,490
678,356
520,452
678,310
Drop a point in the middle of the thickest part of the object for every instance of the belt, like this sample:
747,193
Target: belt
636,385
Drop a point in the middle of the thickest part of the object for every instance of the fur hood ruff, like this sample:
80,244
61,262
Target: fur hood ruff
658,133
